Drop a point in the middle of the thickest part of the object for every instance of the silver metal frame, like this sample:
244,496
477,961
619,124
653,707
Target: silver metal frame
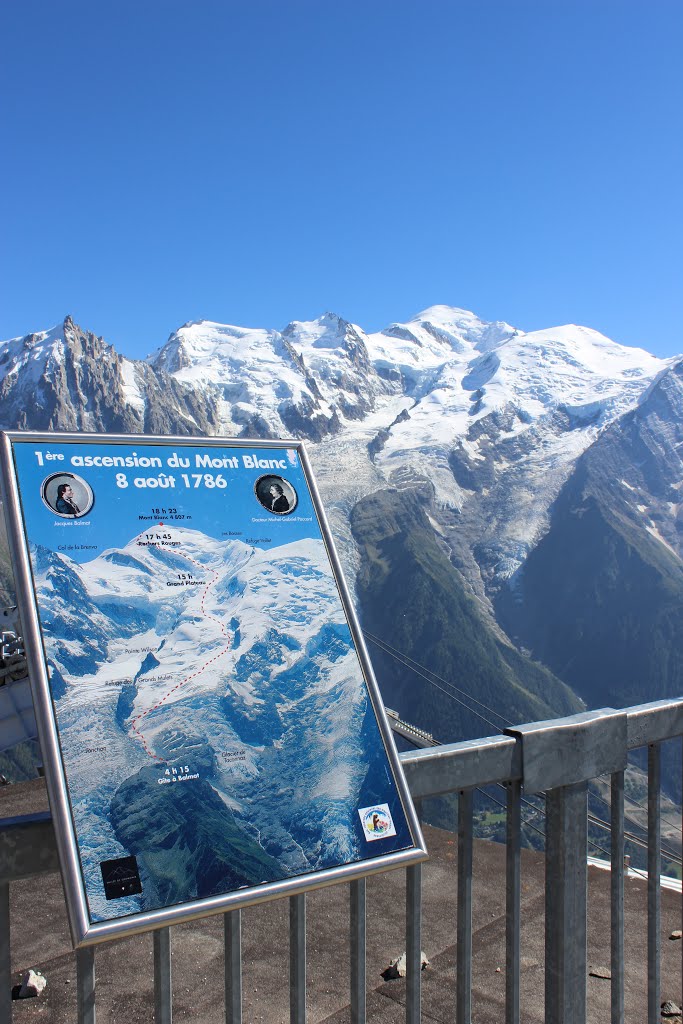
83,931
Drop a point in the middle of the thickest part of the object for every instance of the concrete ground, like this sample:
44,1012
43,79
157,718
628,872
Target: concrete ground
40,939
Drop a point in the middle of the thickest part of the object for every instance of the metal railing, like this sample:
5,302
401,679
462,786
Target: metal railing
559,759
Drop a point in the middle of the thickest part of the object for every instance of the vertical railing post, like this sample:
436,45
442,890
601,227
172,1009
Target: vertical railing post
163,997
654,857
85,984
512,901
358,945
414,937
5,961
297,959
617,896
413,944
566,847
232,937
463,983
558,759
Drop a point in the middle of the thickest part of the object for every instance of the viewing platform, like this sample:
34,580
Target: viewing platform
510,934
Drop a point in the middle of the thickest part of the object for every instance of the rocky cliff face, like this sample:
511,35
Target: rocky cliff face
69,379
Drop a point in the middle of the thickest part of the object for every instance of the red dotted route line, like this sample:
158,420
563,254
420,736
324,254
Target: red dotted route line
193,675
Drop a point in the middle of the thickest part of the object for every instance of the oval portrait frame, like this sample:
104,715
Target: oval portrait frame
269,480
65,477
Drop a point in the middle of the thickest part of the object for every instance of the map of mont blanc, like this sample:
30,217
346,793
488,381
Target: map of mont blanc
214,722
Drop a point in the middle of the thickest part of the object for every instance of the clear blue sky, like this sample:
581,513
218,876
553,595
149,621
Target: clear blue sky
258,162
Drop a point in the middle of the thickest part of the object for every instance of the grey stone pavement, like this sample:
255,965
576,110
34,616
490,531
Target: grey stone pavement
40,939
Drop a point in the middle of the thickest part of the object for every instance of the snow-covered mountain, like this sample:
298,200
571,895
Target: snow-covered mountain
494,418
476,427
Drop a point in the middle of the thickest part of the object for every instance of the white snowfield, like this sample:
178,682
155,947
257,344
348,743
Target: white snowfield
487,368
250,368
444,382
446,367
33,353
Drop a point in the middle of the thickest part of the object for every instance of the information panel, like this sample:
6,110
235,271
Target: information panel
211,729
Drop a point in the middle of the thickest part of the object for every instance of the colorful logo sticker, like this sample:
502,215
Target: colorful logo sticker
377,822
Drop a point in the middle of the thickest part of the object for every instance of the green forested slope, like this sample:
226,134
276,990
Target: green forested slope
411,596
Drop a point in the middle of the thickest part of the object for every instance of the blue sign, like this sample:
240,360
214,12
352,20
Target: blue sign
217,734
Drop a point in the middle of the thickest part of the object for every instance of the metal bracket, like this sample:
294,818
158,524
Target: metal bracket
565,751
